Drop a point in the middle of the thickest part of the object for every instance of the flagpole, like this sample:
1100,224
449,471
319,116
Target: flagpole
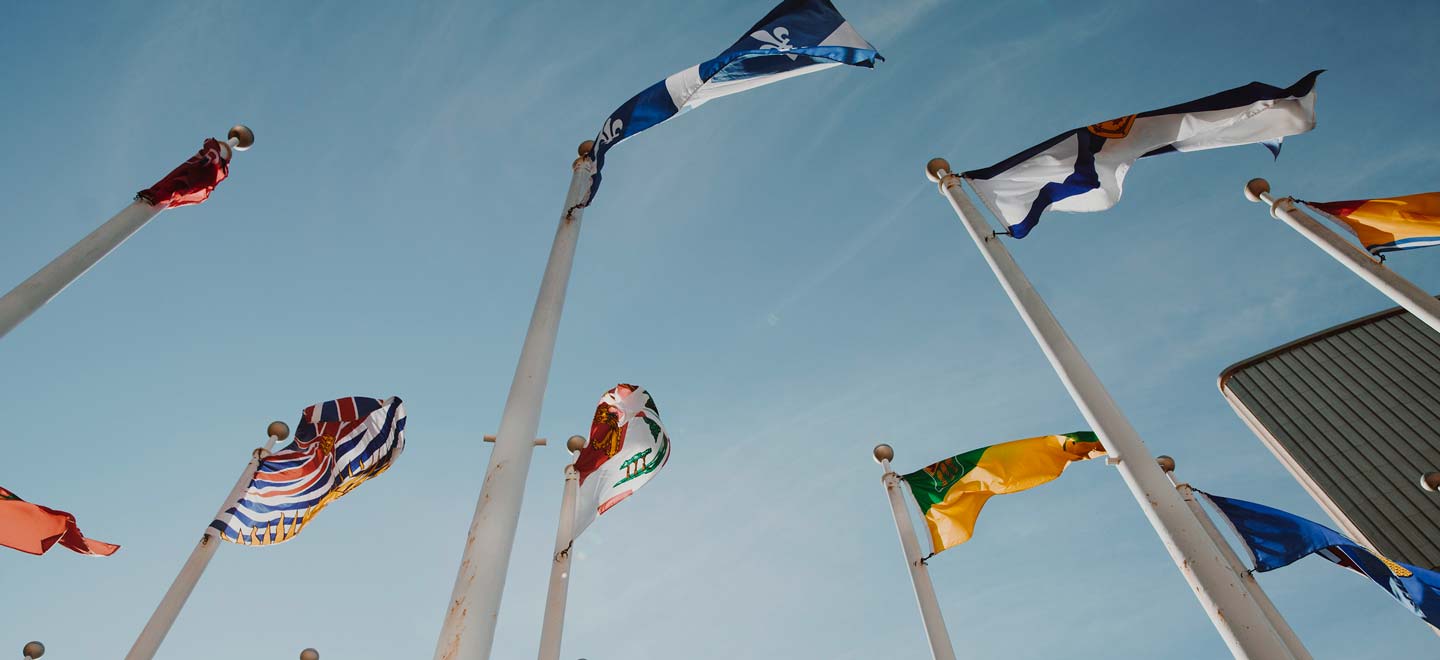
469,628
169,608
1423,305
554,623
934,622
48,282
1247,578
1236,616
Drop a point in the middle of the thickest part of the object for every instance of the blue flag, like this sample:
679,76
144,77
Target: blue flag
1277,539
795,38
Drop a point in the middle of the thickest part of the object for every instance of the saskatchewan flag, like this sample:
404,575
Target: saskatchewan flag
952,492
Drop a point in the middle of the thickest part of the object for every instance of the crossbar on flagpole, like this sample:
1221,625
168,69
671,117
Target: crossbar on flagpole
1404,292
468,632
1247,579
935,631
164,616
48,282
1236,616
553,625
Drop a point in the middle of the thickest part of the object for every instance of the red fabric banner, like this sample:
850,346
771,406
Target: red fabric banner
35,529
194,180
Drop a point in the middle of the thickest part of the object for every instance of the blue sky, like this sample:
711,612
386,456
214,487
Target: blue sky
773,267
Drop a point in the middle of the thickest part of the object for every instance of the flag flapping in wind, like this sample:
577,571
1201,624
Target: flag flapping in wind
194,180
1277,539
35,529
1388,224
338,445
797,37
952,492
1084,169
628,445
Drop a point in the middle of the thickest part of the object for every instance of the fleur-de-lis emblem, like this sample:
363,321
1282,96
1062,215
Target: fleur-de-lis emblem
612,131
778,39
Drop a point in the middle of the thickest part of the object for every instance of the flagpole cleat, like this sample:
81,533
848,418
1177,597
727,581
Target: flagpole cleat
934,168
1255,188
539,442
278,430
242,135
33,650
883,453
575,443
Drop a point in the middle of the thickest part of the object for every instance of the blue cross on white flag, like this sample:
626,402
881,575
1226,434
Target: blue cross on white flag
795,38
1083,169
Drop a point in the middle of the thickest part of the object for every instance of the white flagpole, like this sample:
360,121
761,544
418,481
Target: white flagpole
554,623
1247,579
1236,616
469,628
169,608
48,282
1423,305
935,631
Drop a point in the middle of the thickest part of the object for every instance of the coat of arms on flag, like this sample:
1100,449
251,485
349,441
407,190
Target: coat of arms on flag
628,444
338,445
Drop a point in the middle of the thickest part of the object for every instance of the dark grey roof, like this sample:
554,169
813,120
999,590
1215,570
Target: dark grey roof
1354,413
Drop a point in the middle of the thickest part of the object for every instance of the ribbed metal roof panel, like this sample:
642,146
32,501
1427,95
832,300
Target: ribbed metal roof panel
1354,413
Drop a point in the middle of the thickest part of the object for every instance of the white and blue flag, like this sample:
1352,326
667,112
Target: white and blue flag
1083,169
795,38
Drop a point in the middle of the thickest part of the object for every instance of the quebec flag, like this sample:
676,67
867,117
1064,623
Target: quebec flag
1083,169
795,38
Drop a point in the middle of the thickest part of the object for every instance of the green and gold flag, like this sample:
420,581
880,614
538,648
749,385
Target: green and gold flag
952,492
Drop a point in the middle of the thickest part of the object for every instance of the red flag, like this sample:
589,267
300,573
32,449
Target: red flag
33,528
194,180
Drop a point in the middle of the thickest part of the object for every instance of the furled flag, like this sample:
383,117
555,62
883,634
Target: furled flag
1083,169
797,37
338,445
952,492
628,444
35,529
1388,224
1276,539
194,180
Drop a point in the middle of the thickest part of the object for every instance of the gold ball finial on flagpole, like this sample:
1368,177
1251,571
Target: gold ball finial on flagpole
33,650
1167,464
586,148
575,443
934,167
309,654
883,452
280,430
1255,188
244,137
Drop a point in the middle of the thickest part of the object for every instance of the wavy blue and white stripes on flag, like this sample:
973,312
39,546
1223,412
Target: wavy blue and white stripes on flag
1083,169
797,37
338,446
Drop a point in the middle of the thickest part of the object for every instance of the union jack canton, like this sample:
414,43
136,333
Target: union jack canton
338,446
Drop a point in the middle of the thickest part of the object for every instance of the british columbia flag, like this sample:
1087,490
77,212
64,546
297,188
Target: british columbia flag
338,446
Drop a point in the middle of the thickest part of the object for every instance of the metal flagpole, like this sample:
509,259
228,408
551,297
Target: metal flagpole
1236,616
169,608
939,636
469,628
1423,305
1247,578
554,623
33,293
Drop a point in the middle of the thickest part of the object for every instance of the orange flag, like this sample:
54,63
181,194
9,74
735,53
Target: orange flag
1388,224
34,529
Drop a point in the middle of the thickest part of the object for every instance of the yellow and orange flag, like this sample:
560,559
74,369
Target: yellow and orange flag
1388,224
952,492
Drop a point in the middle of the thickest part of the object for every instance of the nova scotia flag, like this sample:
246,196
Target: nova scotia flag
795,38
